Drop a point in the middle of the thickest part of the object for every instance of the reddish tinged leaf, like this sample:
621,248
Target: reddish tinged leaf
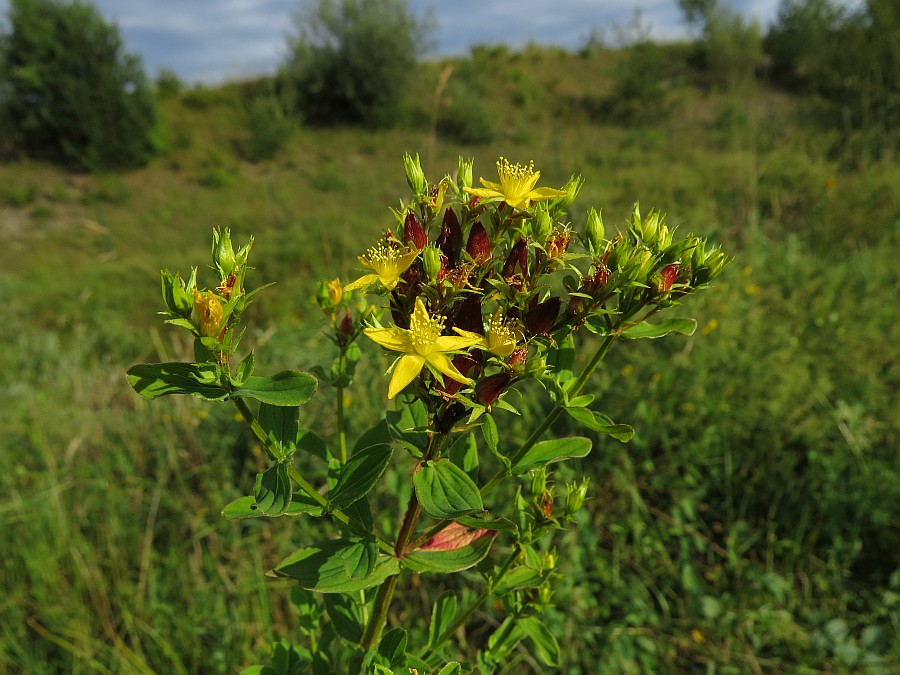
455,536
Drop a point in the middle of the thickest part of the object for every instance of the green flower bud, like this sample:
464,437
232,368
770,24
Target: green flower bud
575,496
431,259
223,252
464,173
572,188
176,295
541,225
594,231
415,177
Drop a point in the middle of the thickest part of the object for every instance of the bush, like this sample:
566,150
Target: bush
70,92
350,60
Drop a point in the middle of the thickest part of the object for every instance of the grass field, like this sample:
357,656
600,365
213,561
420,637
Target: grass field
751,526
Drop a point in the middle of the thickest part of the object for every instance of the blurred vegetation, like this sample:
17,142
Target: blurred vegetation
751,526
69,92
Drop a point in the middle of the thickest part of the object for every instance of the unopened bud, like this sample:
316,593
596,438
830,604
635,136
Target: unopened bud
431,260
539,320
176,294
464,173
479,245
489,389
209,313
468,315
518,257
450,239
346,325
572,188
541,224
575,496
223,252
667,277
415,177
594,231
413,232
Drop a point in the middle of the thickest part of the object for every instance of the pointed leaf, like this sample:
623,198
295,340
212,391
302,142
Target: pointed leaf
543,643
344,615
442,615
325,567
289,387
445,491
359,475
152,380
599,422
456,548
393,647
282,424
679,326
552,450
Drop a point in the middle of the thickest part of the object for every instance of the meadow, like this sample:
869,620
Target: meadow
750,526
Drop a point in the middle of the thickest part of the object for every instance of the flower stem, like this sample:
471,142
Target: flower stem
341,423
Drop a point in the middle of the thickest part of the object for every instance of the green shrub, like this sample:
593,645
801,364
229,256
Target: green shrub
350,60
70,92
269,127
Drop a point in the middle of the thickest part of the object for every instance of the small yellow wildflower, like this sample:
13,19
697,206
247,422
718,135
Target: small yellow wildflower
502,336
516,186
422,345
335,292
209,313
387,262
697,636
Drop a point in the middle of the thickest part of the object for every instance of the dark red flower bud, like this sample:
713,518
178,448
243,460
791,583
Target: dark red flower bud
450,416
668,274
594,282
518,255
413,232
468,315
539,319
450,240
479,246
346,326
489,389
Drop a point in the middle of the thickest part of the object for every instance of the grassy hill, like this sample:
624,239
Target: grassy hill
749,527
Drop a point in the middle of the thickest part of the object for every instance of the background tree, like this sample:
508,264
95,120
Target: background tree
70,92
350,59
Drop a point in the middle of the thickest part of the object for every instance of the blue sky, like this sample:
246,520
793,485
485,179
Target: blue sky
215,40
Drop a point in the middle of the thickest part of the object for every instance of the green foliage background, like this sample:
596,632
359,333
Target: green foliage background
751,526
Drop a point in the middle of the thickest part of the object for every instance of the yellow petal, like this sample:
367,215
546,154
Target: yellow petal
442,363
363,282
405,371
390,338
546,193
484,193
450,343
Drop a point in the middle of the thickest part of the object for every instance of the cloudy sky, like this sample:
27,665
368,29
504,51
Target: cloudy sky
214,40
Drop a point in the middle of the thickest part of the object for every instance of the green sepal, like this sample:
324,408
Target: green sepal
446,491
152,380
287,388
338,566
677,326
359,475
552,450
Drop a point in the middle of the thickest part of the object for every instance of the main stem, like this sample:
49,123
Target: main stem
407,527
342,429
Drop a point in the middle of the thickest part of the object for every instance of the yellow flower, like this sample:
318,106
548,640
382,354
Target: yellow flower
209,313
387,262
516,186
335,292
422,345
502,336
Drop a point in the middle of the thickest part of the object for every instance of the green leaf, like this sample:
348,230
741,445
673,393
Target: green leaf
393,647
562,359
273,490
679,326
442,615
311,442
344,615
452,668
360,560
289,387
492,438
244,370
246,507
361,512
464,453
282,424
519,578
359,475
552,450
379,433
599,422
543,643
408,424
445,491
447,561
485,521
152,380
335,566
